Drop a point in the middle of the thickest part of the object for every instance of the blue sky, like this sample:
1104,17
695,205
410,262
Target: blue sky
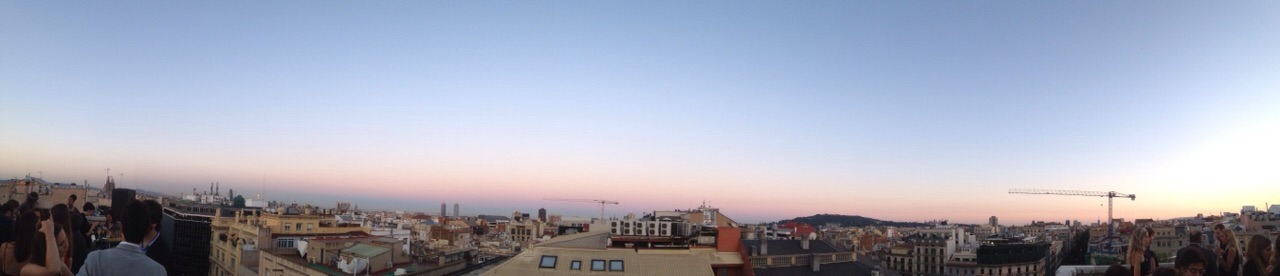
874,108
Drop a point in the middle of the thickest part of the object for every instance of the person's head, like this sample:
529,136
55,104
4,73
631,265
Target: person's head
88,208
157,214
1227,237
24,230
1117,270
1275,258
1217,232
1259,251
136,221
1189,262
61,217
71,200
13,204
1138,241
1195,236
44,213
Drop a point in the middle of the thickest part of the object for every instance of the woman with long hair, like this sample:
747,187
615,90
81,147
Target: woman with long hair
1275,258
14,254
44,260
1228,250
62,223
1137,249
1257,256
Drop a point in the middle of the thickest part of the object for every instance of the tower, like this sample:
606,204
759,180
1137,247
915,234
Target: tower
542,214
442,209
994,221
455,210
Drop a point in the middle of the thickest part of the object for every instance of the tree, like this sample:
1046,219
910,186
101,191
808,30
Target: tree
238,202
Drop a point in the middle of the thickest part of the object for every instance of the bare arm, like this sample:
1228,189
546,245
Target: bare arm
51,259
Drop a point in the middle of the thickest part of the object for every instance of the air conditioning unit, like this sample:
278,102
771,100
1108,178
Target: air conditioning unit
665,229
641,230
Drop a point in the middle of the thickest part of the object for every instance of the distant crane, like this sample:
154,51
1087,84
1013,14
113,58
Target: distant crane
596,201
1109,195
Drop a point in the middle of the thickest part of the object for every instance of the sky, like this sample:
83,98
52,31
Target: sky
896,110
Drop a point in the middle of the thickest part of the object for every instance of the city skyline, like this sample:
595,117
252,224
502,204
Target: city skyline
895,111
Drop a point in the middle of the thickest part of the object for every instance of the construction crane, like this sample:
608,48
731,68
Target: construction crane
596,201
1109,195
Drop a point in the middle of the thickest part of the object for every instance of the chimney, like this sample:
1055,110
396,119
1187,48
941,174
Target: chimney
764,247
817,266
804,242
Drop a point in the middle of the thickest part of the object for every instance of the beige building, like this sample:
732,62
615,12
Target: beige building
51,193
351,256
902,259
236,241
588,254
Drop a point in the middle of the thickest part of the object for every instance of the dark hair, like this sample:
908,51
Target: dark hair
136,221
88,206
1117,270
73,197
23,235
1164,271
1187,257
37,249
1257,244
157,212
1196,236
61,218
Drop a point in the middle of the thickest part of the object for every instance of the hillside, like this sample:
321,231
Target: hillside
850,221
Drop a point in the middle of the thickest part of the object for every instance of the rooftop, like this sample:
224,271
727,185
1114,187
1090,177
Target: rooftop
792,247
845,268
365,250
589,240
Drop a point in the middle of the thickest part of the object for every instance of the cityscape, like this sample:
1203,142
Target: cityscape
212,232
644,138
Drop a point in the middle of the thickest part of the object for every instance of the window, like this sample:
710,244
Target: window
597,265
576,265
547,262
615,265
286,227
285,243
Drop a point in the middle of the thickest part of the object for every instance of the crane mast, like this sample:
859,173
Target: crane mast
1110,195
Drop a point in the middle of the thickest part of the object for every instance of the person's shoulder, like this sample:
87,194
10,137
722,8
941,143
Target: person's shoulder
151,267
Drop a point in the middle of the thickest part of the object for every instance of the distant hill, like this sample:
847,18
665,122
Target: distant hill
850,221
